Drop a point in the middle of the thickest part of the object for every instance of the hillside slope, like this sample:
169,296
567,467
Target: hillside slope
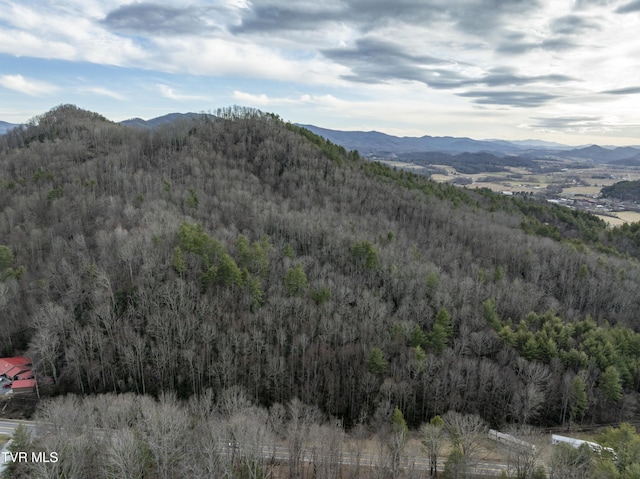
249,252
623,190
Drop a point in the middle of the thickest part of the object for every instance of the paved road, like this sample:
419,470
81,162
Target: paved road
7,426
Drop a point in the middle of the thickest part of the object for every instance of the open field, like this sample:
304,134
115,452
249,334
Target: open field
612,220
402,164
629,216
580,184
441,178
592,191
621,217
573,180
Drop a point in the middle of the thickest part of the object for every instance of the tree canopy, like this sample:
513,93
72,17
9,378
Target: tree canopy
239,250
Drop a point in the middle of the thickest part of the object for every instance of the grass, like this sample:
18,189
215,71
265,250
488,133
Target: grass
611,220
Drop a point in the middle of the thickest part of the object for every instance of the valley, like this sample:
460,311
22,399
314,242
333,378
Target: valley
569,176
577,188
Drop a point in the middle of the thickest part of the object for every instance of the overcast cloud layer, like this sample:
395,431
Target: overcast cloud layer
559,70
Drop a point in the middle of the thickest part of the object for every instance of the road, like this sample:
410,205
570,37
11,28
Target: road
8,426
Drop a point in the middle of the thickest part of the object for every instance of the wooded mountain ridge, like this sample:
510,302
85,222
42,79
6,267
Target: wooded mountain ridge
374,143
245,252
623,190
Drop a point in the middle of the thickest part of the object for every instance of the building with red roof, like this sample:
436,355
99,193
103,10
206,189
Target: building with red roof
23,386
28,374
18,372
6,364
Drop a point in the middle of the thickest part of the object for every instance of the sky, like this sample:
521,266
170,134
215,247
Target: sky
556,70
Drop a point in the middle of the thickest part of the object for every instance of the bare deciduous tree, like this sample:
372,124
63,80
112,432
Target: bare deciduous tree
301,418
433,436
124,455
465,432
165,432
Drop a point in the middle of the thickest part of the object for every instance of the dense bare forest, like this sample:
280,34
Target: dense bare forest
237,251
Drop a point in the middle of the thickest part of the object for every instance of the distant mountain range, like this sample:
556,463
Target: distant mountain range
5,127
376,144
161,120
606,155
381,145
373,143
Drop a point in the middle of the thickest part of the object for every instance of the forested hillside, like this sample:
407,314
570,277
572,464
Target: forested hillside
623,190
244,251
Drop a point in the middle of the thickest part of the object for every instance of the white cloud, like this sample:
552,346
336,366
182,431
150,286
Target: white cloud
64,33
170,93
27,86
259,100
27,44
104,92
264,100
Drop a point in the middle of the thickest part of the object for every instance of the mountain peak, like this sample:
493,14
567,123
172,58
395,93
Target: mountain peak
161,120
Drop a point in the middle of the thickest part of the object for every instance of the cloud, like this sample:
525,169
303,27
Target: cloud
520,99
559,34
28,87
477,17
55,31
566,122
373,60
632,90
566,29
629,7
376,50
506,76
482,17
155,19
169,92
584,4
552,43
265,17
574,25
264,100
105,92
584,124
261,100
369,13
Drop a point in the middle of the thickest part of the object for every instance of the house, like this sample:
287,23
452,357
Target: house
17,374
28,374
17,371
8,364
23,386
